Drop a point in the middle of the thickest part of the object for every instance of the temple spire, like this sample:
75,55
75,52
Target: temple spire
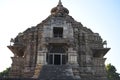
59,3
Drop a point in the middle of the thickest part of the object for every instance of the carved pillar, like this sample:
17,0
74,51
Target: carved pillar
72,59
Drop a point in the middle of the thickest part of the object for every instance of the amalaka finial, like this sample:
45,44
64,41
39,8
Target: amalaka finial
59,9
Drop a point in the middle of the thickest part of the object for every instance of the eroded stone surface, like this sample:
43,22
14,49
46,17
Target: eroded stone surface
62,41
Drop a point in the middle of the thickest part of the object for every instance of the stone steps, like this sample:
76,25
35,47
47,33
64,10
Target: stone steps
17,79
56,72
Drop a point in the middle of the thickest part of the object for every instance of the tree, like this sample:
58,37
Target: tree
111,71
5,72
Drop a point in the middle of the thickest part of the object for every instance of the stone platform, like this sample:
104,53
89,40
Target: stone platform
56,72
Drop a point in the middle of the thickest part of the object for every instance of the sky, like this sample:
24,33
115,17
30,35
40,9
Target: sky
101,16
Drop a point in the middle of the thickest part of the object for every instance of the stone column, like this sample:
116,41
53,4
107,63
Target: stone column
72,60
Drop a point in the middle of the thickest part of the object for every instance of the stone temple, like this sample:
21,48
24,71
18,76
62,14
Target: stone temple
58,48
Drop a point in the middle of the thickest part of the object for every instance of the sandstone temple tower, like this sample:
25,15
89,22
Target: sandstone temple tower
58,48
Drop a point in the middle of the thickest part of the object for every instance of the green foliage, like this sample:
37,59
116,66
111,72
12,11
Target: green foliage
5,73
111,71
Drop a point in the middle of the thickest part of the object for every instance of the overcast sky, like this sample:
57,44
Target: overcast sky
101,16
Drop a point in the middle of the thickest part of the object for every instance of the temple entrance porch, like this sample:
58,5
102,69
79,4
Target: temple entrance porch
57,58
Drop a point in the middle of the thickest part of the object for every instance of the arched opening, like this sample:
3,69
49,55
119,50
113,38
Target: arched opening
57,55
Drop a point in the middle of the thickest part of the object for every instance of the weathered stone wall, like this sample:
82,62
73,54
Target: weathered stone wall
84,48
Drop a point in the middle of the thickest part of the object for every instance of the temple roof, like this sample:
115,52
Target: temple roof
59,9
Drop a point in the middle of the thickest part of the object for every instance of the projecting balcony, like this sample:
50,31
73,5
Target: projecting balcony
18,50
100,52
